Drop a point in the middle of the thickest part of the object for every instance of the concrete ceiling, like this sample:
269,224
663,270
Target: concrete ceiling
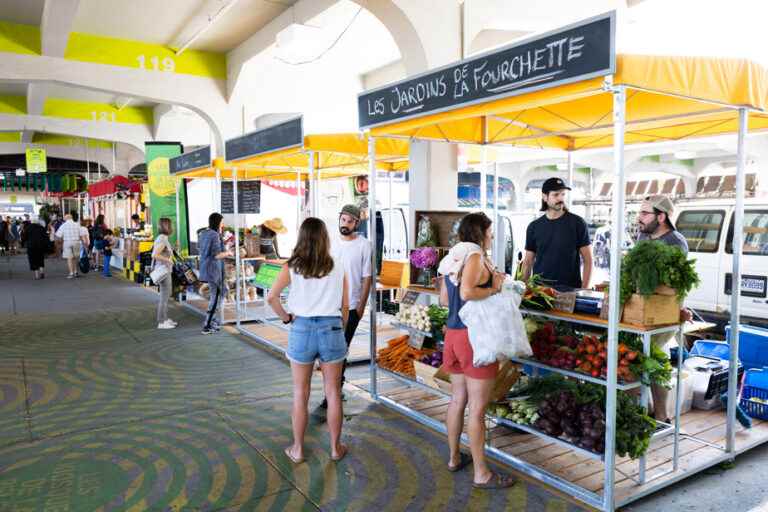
27,12
173,22
76,93
12,89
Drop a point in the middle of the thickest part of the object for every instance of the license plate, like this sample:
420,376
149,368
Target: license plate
751,286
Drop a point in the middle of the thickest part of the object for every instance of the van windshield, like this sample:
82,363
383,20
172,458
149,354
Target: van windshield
755,233
701,228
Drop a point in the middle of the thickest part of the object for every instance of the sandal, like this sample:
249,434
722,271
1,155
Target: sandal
342,453
464,461
290,456
497,481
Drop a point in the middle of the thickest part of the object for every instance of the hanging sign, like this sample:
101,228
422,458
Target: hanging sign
577,52
248,197
288,134
198,159
36,161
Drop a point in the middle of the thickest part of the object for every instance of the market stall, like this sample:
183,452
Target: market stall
117,198
282,152
568,90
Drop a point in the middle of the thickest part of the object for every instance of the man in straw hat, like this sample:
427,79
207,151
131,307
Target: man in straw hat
353,251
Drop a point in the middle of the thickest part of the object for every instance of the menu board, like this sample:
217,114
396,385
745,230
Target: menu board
248,197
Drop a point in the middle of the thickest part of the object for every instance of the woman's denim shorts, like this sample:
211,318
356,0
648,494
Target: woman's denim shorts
316,337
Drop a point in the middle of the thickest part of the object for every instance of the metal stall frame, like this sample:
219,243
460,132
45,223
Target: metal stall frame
617,128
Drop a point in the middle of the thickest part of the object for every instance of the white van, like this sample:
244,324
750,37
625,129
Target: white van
708,227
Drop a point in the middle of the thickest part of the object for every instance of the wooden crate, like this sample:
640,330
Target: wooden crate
442,220
649,310
395,273
439,379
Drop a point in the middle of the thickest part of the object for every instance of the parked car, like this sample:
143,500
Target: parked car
708,228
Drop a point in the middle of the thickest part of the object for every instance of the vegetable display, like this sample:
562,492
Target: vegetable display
398,356
521,412
438,315
556,344
434,359
416,316
575,412
651,263
537,295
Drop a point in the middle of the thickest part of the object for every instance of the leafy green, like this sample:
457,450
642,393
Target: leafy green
651,263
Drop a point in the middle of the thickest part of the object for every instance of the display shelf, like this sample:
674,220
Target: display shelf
577,375
595,321
411,330
423,289
558,440
411,382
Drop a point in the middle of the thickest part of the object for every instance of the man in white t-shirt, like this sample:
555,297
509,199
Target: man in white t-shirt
73,237
353,251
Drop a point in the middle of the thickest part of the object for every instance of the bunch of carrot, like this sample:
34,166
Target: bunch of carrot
398,356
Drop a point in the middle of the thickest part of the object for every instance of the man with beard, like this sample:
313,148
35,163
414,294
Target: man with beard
557,243
353,252
655,223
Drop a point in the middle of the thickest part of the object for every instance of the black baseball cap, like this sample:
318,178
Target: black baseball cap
553,185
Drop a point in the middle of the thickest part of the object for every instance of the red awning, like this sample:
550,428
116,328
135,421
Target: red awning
112,185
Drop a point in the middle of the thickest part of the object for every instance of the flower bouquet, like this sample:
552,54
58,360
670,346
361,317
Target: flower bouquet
425,259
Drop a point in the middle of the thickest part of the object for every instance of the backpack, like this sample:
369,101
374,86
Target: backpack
85,262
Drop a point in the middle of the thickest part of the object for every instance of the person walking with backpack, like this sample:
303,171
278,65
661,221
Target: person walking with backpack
319,307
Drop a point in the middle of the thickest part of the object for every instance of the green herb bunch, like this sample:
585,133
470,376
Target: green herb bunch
651,263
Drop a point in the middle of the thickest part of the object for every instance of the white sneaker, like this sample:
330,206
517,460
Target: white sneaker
165,325
172,322
71,276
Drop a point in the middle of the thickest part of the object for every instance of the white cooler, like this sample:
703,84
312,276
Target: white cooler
702,370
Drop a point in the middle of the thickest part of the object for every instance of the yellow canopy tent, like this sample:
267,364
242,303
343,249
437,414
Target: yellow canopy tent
647,99
668,99
331,155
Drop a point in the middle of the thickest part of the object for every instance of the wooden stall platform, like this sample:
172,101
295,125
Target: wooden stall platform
565,463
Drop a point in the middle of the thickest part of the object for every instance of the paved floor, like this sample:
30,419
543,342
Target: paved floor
101,411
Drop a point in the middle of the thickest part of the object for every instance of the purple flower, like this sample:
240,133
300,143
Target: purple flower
425,257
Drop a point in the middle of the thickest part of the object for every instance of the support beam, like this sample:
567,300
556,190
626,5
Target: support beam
36,94
55,26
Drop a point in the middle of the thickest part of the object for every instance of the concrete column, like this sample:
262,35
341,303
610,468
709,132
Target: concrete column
434,170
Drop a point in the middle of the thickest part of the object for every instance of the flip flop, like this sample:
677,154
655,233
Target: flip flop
464,461
293,459
342,453
497,481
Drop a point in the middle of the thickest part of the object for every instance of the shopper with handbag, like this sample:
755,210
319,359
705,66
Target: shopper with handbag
319,307
162,264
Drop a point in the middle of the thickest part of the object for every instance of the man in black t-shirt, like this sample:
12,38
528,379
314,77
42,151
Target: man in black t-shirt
555,241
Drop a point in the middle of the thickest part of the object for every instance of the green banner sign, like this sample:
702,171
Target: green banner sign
162,190
36,161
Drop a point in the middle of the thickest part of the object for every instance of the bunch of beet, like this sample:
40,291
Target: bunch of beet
560,414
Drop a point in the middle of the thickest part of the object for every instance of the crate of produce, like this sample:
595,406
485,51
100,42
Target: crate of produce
650,310
753,345
754,395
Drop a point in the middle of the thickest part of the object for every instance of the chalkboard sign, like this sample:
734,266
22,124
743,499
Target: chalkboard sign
280,136
577,52
197,159
248,197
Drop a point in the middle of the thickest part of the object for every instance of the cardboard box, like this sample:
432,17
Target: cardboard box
651,310
425,374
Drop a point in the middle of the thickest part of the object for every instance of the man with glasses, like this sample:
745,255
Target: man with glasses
655,222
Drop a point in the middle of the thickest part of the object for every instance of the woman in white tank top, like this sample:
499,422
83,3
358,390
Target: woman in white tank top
318,304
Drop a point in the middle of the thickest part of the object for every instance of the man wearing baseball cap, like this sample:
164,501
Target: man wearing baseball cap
353,251
655,222
557,245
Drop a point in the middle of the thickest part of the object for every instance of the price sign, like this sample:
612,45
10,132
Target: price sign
416,339
410,298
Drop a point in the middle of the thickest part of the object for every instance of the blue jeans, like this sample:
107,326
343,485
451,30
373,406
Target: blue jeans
107,268
316,337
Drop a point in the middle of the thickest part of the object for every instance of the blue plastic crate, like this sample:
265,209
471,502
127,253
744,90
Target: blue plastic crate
755,386
753,345
713,349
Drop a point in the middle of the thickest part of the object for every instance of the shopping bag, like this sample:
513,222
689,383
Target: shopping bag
85,262
159,272
496,328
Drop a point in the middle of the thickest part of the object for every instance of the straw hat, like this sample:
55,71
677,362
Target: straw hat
276,225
